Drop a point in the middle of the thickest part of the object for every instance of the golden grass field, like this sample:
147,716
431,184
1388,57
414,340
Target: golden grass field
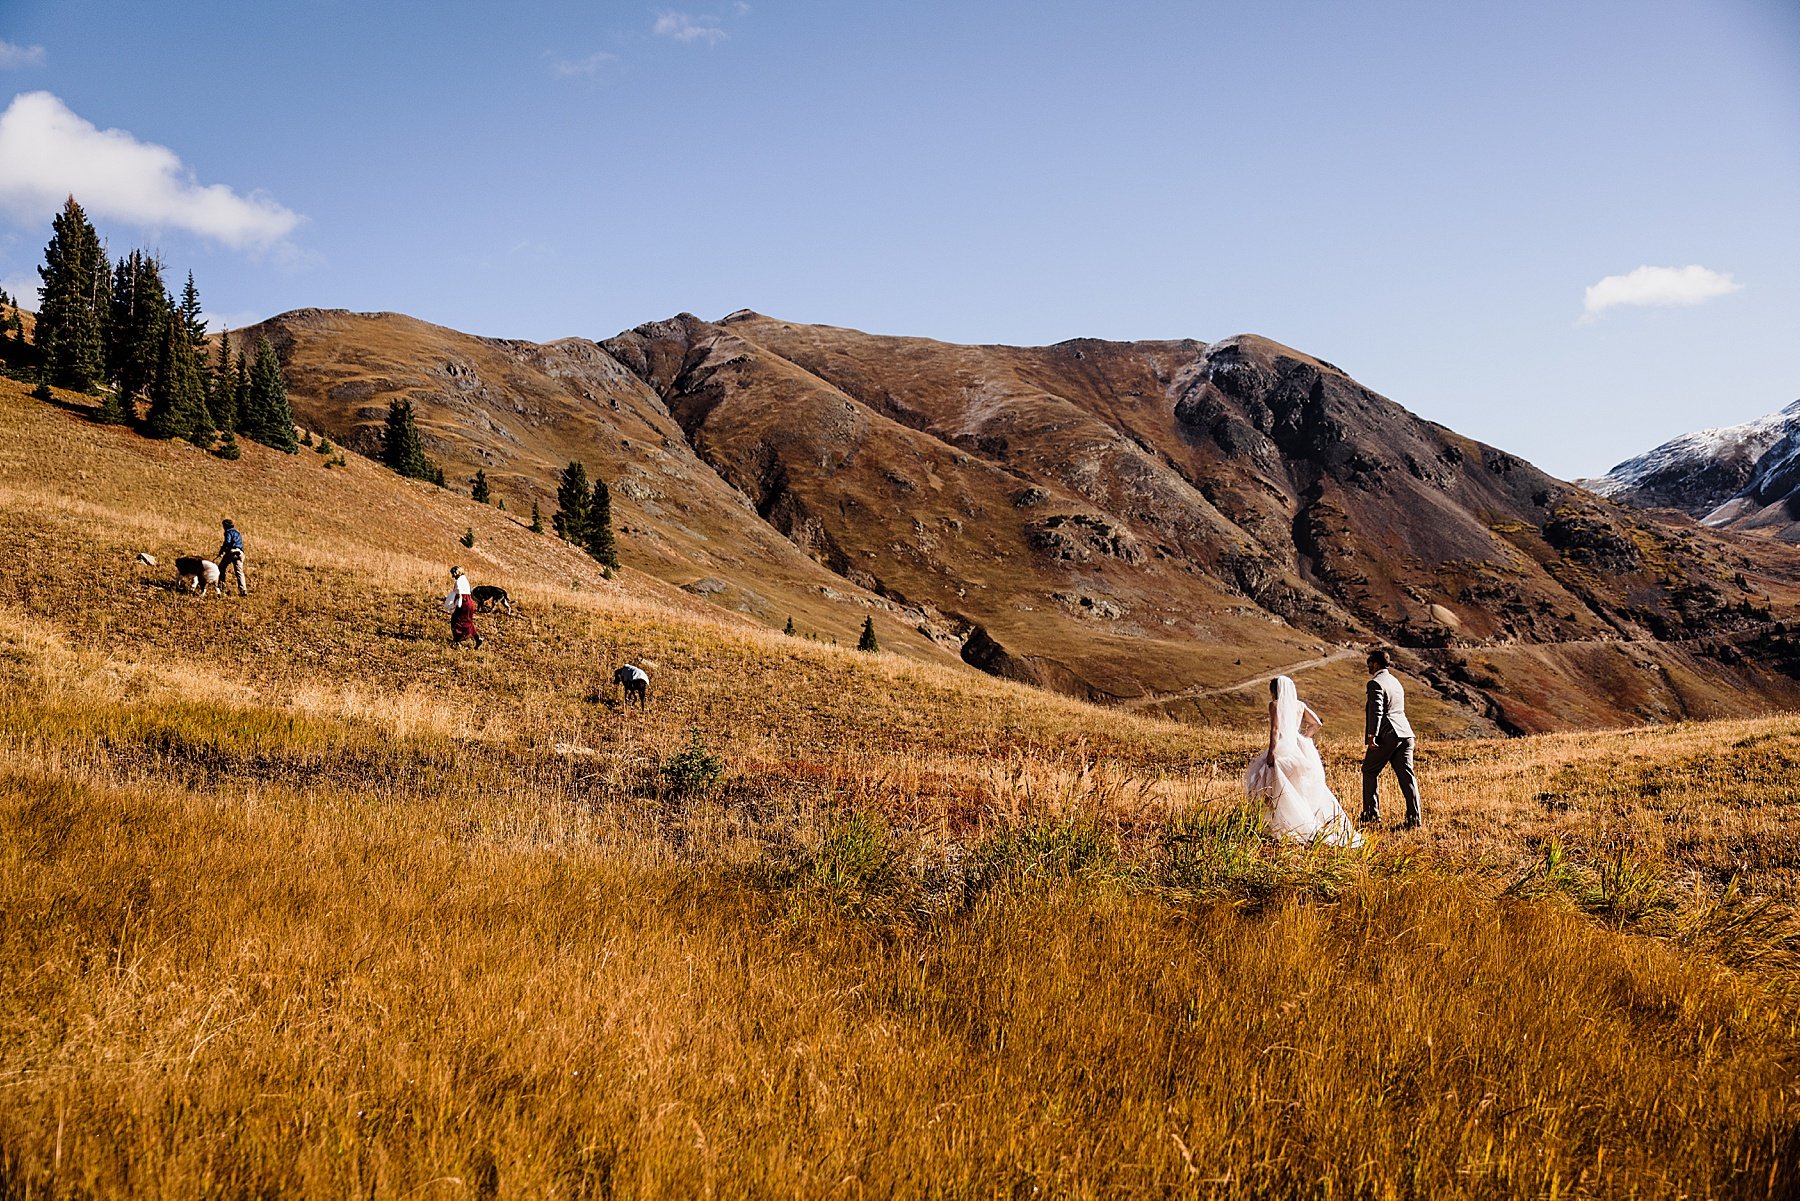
295,899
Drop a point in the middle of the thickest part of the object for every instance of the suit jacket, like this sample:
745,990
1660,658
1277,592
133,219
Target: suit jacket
1385,712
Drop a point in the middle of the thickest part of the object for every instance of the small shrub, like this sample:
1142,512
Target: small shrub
858,869
789,628
228,448
694,770
468,538
42,392
306,438
1078,846
1550,874
325,447
867,642
1226,854
1625,891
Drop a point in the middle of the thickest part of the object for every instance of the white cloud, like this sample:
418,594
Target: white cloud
50,153
24,287
1655,286
241,319
684,28
13,55
593,64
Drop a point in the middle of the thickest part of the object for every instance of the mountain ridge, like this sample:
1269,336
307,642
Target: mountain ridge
1119,520
1697,472
1744,477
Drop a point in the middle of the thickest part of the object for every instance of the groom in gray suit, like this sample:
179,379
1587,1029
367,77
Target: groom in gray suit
1388,739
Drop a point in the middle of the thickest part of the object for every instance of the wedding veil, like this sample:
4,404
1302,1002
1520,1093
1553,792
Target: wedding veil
1287,709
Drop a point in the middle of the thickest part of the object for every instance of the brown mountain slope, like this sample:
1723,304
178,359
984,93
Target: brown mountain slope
1155,523
522,411
1192,494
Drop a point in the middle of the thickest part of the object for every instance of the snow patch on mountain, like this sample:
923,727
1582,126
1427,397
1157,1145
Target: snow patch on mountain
1700,471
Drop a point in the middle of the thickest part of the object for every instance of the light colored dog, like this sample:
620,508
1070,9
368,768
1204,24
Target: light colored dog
197,575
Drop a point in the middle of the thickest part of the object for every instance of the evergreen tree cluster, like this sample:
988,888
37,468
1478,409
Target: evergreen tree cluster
403,450
584,515
115,326
12,325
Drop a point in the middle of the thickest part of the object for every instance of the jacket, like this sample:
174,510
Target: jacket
1385,712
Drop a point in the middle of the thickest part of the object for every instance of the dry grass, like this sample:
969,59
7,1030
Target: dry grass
294,899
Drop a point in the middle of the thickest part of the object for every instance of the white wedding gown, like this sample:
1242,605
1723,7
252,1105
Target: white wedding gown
1290,783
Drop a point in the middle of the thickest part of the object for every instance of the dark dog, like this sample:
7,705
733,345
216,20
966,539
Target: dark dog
489,597
635,683
197,575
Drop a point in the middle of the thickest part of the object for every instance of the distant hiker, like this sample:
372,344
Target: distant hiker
1387,741
635,683
231,556
460,605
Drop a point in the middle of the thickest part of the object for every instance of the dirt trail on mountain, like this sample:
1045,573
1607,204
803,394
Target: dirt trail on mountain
1190,694
1187,694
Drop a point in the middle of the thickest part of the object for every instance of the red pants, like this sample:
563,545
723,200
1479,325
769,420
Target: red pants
462,622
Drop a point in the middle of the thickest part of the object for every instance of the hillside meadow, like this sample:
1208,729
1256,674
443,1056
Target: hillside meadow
296,899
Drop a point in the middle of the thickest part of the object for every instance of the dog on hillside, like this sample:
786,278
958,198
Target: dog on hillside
489,597
197,575
636,684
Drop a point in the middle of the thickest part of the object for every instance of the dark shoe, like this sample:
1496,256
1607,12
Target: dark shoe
1413,826
1369,819
478,641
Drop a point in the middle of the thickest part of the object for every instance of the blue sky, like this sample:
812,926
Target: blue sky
1422,193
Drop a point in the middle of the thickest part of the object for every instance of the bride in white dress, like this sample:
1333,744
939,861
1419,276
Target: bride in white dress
1289,778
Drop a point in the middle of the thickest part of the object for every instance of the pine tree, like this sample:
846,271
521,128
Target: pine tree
221,390
270,420
401,447
867,641
191,320
70,323
479,492
537,519
177,405
599,540
140,311
228,446
240,392
789,628
572,499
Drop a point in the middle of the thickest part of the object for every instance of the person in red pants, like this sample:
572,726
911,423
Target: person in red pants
461,607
